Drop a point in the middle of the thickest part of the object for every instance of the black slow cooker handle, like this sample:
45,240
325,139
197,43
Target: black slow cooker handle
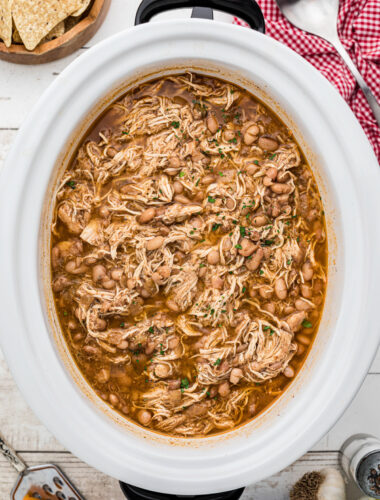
134,493
245,9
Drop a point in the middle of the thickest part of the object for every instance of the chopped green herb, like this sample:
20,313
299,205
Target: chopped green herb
151,329
273,156
306,324
242,231
184,384
175,124
202,265
65,313
261,272
256,162
244,289
197,182
122,325
268,243
238,246
210,199
71,184
215,227
217,362
289,262
125,133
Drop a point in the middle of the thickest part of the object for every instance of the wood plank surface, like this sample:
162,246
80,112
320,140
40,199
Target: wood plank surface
20,87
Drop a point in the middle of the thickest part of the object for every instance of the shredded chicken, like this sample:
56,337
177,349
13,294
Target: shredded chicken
189,256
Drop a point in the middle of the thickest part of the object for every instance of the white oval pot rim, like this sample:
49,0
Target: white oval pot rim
97,453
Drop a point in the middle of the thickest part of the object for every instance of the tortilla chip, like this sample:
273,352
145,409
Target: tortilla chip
56,32
34,19
85,4
6,22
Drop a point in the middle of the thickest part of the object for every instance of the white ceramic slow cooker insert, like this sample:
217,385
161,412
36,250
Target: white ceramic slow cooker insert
348,178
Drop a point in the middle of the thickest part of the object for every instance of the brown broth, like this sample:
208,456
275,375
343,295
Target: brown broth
129,372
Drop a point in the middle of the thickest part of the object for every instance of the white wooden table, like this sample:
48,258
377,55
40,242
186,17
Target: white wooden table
20,87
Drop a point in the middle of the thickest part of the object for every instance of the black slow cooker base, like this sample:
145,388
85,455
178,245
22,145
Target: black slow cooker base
134,493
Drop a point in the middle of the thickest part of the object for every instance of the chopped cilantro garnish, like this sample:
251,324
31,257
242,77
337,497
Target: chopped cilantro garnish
175,124
184,384
125,133
71,184
261,272
210,199
202,265
122,325
151,329
217,362
215,227
306,324
242,231
244,289
238,246
273,156
256,162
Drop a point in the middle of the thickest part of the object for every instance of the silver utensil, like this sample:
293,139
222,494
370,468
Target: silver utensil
319,17
42,482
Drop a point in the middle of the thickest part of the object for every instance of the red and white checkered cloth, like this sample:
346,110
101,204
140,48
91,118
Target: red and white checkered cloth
359,31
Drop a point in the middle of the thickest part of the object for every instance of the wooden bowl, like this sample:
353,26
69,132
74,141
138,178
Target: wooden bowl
62,46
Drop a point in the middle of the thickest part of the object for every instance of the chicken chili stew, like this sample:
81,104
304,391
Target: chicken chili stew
189,256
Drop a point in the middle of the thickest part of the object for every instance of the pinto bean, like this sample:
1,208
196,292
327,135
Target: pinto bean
174,162
259,220
268,144
271,172
164,271
91,350
302,305
267,181
103,375
208,179
212,124
181,198
226,244
161,370
104,212
247,247
306,291
60,283
229,135
307,271
177,187
172,305
147,215
270,307
144,417
257,257
303,339
235,375
213,257
75,267
279,188
266,291
131,283
251,134
224,389
280,288
289,372
217,282
108,284
154,243
117,273
99,272
252,169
